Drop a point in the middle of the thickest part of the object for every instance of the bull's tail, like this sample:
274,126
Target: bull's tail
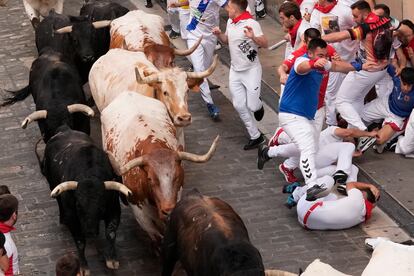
17,96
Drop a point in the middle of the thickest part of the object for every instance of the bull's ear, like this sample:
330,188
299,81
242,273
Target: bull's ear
194,84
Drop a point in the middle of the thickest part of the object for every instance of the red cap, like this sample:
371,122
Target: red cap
368,209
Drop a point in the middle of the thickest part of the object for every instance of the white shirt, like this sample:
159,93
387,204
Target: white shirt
204,16
243,50
11,250
338,19
334,213
304,25
328,136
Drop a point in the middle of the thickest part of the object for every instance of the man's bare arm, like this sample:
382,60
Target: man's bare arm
336,36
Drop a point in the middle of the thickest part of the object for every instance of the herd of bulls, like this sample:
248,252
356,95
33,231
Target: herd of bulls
142,97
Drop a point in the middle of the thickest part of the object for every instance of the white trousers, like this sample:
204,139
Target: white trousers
334,83
184,16
325,175
340,153
293,161
379,109
405,143
42,10
245,88
202,58
304,136
384,86
173,17
351,94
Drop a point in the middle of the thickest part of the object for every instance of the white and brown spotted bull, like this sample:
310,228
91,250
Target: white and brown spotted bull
144,32
121,70
139,135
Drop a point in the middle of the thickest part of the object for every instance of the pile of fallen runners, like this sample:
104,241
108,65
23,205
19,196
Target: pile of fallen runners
347,85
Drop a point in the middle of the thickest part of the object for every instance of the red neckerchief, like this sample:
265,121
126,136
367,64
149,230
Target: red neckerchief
4,228
243,16
293,32
326,8
299,2
368,209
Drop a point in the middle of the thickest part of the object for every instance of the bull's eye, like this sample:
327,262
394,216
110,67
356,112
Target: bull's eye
165,93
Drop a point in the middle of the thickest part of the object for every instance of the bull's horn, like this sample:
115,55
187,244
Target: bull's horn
187,52
81,108
132,164
279,273
145,80
64,186
206,73
116,186
182,155
64,30
101,24
37,115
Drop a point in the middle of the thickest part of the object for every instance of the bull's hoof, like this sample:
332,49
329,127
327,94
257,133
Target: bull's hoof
112,264
85,271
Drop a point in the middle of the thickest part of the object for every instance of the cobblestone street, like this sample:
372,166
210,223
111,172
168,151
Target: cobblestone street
231,175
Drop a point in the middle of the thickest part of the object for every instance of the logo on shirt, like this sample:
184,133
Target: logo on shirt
245,47
330,24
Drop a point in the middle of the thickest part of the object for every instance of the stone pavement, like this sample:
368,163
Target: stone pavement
230,175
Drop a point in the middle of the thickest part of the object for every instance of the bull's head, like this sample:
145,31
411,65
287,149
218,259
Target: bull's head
163,173
82,33
90,195
171,86
55,117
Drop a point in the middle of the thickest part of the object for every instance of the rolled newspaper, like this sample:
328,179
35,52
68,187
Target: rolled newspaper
277,45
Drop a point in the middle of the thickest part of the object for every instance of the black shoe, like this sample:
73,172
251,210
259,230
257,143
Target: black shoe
391,145
252,144
148,4
258,115
340,177
213,86
174,35
342,189
313,192
261,14
262,156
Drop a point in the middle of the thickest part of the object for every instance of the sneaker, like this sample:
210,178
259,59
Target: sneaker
391,145
254,143
409,155
148,4
213,110
274,141
290,202
365,142
313,192
262,156
288,174
288,189
261,14
218,46
258,115
340,177
341,188
174,35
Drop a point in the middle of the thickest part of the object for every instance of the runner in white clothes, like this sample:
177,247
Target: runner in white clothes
244,36
299,103
375,38
350,2
183,16
405,144
331,213
332,134
331,16
203,17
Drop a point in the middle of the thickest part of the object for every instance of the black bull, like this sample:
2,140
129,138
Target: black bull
80,176
208,237
82,39
56,87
